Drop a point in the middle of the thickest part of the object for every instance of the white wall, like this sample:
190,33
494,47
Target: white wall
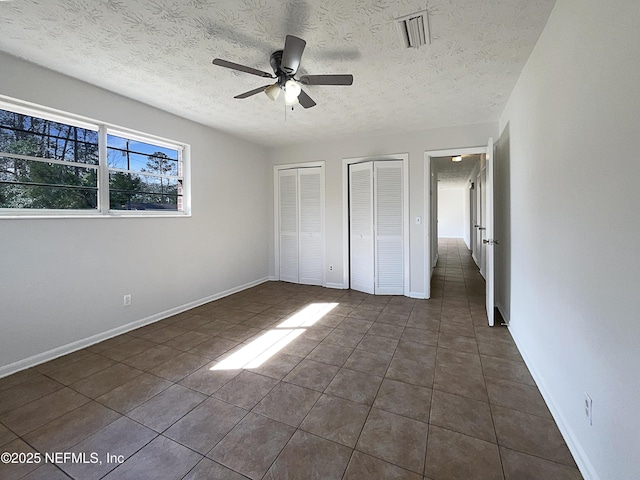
573,124
62,280
451,212
415,144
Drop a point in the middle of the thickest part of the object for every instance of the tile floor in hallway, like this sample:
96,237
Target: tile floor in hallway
277,382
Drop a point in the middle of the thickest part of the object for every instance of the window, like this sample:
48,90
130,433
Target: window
143,176
52,164
46,164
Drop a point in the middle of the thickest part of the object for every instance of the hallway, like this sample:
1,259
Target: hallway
290,381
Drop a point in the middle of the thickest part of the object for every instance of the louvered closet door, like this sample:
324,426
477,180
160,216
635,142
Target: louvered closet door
361,227
288,231
310,238
389,228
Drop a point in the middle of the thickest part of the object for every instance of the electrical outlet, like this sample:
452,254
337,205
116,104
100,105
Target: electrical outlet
331,268
127,300
588,408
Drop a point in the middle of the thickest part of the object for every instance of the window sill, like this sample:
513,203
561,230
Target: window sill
91,216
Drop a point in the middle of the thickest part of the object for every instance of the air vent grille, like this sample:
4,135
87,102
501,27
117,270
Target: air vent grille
414,29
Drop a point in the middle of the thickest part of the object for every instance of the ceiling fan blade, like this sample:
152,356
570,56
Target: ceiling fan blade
326,79
241,68
255,91
305,100
292,53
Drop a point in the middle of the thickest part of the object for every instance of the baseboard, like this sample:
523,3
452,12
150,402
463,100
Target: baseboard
87,342
339,286
420,295
582,460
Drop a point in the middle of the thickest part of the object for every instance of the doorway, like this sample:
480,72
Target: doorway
453,200
478,185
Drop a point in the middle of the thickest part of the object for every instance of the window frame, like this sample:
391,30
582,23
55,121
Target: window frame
103,129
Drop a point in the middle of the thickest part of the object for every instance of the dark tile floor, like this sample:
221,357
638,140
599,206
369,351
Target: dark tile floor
270,383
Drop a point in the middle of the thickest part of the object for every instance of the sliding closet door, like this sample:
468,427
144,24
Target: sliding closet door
389,228
300,225
288,225
310,259
361,227
376,227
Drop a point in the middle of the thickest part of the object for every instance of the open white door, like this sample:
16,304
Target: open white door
488,239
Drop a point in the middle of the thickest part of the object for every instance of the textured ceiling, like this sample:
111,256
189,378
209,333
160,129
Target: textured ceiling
160,51
454,174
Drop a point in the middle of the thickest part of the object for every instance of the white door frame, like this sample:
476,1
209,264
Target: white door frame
428,155
345,213
490,267
276,213
477,246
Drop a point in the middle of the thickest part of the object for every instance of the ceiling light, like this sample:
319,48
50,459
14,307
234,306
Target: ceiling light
273,91
291,92
456,158
290,100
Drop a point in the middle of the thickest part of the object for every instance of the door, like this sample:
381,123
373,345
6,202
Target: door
473,220
489,241
376,227
389,228
300,215
288,224
361,241
482,229
477,249
310,243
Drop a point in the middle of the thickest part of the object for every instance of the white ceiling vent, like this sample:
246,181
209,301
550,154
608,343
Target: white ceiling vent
414,29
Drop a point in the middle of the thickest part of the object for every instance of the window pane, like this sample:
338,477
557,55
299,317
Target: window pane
129,191
137,162
15,170
36,137
36,196
139,156
33,184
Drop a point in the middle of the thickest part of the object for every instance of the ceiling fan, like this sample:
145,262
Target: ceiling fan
285,65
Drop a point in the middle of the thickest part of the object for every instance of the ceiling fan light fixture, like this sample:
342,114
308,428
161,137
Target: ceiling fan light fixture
290,100
273,91
291,92
291,87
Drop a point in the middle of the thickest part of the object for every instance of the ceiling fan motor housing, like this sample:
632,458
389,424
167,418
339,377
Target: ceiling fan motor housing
276,62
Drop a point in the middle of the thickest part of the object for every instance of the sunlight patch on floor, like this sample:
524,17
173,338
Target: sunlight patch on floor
272,341
308,315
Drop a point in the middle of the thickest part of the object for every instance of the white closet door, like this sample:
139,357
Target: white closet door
288,216
361,227
389,228
310,226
